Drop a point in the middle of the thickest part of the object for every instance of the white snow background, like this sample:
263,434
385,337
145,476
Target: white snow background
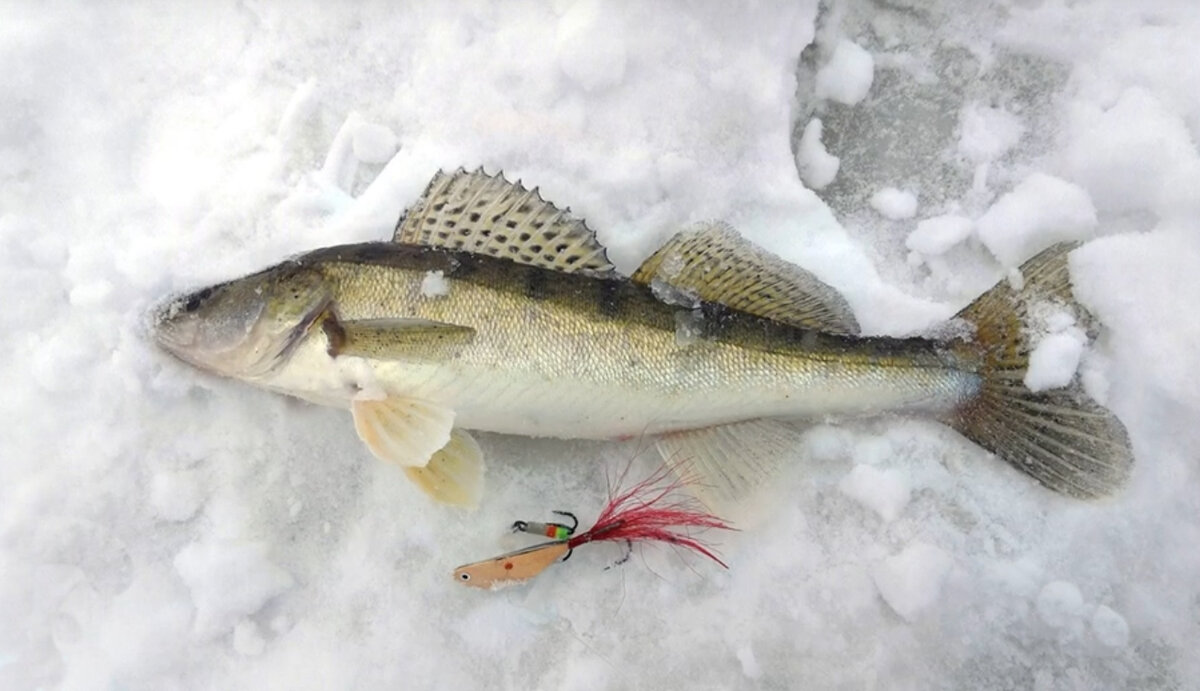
161,528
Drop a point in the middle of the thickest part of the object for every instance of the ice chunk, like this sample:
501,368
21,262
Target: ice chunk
1054,360
435,285
847,77
912,580
934,236
1037,213
374,143
1059,603
894,203
228,580
1135,154
750,666
886,492
1110,628
817,166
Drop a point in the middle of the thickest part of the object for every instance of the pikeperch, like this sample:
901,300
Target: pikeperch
494,310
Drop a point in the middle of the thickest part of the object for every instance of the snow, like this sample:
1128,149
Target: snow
817,166
1040,211
1060,604
161,528
934,236
911,582
435,285
847,76
894,204
1110,628
1054,360
886,492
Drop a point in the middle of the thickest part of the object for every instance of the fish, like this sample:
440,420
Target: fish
492,309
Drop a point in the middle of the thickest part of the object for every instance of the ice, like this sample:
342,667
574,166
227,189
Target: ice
911,582
160,528
886,492
934,236
894,204
1038,212
817,167
847,76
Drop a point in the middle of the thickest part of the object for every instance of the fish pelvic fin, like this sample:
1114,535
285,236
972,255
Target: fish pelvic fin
454,474
1060,436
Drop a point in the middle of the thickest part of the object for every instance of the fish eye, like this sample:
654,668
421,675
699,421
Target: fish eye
465,576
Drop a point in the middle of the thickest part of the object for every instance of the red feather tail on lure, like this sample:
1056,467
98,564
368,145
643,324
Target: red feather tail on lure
650,511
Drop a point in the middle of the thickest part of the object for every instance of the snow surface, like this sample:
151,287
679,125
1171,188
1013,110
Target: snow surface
160,528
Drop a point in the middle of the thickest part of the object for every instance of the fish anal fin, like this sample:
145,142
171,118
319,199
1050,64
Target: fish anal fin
488,215
716,264
403,431
728,466
393,339
1061,437
454,475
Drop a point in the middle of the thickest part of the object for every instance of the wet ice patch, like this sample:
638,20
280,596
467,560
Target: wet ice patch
1040,211
847,76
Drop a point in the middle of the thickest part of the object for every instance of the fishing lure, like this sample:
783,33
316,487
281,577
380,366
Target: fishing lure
644,513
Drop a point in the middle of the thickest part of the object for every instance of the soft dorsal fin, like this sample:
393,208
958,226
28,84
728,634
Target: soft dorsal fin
486,214
715,264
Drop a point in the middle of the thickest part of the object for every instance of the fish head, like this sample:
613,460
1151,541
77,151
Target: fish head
246,327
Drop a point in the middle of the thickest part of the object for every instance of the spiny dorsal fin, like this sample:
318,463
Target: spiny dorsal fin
715,264
486,214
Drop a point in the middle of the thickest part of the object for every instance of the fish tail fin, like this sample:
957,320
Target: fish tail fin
1060,436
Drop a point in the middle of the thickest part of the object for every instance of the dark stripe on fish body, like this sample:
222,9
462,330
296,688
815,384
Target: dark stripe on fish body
535,283
608,298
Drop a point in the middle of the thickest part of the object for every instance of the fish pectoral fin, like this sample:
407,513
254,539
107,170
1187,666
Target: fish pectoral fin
488,215
715,264
727,465
393,339
454,475
404,431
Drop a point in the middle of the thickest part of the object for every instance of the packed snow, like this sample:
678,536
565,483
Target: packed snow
162,528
